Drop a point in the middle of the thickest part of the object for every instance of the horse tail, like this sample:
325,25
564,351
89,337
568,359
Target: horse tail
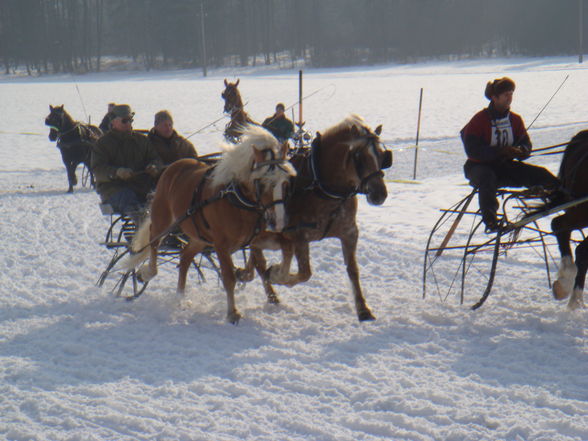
139,251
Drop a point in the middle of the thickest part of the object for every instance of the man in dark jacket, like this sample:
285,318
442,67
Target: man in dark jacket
280,126
125,165
167,143
494,139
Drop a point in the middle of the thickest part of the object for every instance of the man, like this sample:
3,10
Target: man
105,124
125,165
493,140
167,143
280,126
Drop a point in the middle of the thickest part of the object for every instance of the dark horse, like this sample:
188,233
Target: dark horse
572,173
346,160
234,107
75,141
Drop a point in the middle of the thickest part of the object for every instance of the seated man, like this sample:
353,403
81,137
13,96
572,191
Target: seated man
493,139
125,165
167,143
280,126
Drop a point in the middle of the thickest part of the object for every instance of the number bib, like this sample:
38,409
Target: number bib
502,132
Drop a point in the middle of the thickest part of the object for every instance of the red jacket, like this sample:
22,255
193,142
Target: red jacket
477,135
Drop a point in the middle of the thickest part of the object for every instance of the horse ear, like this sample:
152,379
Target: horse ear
378,130
50,108
237,83
226,83
61,107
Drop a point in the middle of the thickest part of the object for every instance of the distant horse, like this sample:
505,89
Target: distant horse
75,141
346,160
234,106
572,173
224,206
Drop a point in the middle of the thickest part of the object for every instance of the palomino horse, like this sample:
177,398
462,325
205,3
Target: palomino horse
224,206
572,173
74,139
346,160
234,106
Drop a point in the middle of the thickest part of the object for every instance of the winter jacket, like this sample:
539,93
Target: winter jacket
173,148
129,150
489,133
281,128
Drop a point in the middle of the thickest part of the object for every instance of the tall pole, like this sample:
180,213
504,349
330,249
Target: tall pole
204,72
300,123
416,150
580,31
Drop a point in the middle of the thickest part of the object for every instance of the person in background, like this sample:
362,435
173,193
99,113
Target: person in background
125,165
167,143
105,124
496,142
280,126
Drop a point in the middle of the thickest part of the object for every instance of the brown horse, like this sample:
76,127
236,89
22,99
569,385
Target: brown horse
234,106
224,206
572,173
346,160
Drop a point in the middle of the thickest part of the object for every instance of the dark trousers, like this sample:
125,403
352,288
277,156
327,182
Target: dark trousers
490,177
127,202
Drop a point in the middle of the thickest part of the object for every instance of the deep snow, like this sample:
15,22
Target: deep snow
78,364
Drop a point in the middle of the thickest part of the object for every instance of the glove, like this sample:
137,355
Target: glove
513,152
124,173
152,170
525,152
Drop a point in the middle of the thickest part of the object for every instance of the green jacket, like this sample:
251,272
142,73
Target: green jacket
281,128
130,150
172,149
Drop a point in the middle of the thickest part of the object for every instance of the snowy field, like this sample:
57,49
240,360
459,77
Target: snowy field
78,364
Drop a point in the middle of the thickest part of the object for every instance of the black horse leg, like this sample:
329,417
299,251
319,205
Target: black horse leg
577,298
567,271
71,166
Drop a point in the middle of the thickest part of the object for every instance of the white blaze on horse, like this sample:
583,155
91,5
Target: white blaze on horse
224,206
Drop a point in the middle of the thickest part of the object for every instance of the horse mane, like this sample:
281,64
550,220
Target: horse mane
237,161
344,126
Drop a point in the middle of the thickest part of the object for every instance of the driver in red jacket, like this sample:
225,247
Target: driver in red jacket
496,142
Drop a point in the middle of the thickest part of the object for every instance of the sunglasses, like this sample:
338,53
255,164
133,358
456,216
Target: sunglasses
126,120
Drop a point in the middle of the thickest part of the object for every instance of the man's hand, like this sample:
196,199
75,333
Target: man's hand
124,173
515,152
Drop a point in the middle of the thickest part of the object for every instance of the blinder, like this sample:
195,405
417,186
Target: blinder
387,159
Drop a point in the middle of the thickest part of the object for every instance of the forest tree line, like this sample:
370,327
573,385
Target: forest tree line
48,36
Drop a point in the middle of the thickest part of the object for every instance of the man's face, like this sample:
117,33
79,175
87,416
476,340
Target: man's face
165,128
122,124
280,111
503,101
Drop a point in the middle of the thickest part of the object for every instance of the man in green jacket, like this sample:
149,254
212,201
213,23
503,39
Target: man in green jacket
125,165
167,143
280,126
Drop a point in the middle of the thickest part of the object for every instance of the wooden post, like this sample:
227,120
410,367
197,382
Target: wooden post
580,31
204,68
416,150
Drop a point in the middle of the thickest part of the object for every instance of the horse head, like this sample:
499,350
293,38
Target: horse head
58,119
259,166
358,157
232,97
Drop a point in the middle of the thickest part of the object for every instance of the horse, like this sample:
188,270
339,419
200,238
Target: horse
74,140
346,160
571,275
234,107
223,206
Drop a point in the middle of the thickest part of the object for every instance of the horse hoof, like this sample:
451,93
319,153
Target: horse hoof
234,318
560,292
365,316
273,299
70,190
243,275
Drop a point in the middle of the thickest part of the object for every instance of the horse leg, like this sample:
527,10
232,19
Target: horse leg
566,272
258,260
349,247
577,299
229,281
186,257
280,274
70,167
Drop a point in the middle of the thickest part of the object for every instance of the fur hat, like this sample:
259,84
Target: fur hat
122,111
498,86
162,115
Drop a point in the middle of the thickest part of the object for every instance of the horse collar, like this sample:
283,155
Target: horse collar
316,178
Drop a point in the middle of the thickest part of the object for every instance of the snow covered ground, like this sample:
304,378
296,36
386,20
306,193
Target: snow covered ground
78,364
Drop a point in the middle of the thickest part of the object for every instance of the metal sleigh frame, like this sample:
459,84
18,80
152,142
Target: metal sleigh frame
458,235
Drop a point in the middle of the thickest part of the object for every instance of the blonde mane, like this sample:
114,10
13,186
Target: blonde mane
237,161
349,122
